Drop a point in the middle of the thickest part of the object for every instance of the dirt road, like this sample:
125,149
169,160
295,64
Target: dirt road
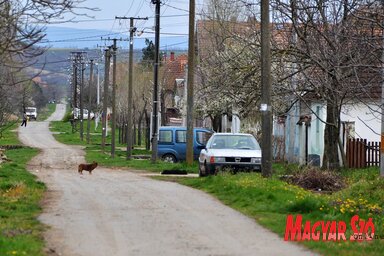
114,212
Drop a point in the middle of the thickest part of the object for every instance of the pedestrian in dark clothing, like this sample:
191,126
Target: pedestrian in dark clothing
24,120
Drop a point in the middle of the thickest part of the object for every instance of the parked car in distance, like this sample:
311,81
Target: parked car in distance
233,150
31,113
85,114
172,143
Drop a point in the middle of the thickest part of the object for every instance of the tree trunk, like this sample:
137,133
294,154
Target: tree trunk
139,124
148,135
331,138
216,122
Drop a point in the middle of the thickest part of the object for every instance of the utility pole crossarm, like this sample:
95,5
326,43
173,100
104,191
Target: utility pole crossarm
127,18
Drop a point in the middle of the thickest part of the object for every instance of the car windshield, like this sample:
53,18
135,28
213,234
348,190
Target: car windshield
30,109
234,142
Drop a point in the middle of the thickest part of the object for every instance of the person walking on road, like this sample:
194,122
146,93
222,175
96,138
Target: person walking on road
24,120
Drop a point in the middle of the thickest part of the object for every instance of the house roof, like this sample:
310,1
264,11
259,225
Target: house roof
174,68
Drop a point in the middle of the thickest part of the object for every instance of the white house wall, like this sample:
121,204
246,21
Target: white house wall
316,131
292,148
367,118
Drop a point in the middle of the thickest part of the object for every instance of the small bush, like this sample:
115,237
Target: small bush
313,178
67,117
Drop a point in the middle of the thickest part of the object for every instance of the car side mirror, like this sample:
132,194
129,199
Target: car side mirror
201,147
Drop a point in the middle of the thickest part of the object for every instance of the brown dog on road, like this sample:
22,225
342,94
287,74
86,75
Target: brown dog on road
87,167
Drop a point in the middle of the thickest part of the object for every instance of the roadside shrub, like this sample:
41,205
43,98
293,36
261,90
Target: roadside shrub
67,117
313,178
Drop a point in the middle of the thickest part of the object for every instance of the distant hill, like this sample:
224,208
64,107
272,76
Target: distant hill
52,70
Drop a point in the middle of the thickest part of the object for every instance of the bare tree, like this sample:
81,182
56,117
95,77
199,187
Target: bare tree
22,27
336,55
229,69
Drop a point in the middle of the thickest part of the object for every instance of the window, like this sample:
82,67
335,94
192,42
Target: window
165,137
181,136
203,137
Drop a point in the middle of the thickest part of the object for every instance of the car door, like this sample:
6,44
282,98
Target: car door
200,139
181,143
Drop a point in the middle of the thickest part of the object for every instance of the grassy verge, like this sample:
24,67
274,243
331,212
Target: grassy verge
269,201
20,194
94,151
9,134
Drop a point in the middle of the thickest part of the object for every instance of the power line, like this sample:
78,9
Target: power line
101,20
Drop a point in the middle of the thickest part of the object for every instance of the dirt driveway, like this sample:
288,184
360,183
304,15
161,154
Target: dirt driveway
116,212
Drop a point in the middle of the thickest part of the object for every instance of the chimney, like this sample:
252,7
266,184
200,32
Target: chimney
172,58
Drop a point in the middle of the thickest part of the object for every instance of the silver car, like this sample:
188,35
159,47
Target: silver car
233,150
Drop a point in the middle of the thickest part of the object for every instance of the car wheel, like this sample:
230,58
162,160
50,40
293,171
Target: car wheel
202,170
169,158
210,170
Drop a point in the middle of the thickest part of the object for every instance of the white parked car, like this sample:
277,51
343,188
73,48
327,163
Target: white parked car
85,114
31,112
233,150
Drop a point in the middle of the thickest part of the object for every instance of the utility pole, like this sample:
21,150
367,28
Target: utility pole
105,98
130,134
266,108
74,98
130,101
89,100
382,107
113,133
190,82
82,101
156,82
77,59
74,82
114,87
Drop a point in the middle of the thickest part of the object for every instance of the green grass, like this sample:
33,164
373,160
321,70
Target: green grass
269,201
9,135
94,151
20,194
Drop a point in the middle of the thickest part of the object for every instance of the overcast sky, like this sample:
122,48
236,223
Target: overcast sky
173,21
174,15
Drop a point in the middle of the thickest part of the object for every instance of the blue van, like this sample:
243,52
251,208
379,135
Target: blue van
172,143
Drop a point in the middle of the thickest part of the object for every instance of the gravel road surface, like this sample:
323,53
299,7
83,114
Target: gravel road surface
116,212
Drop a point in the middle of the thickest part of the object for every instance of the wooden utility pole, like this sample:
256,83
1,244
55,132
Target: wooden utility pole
77,59
82,101
382,107
130,85
114,87
113,132
89,101
105,98
132,30
74,83
266,108
156,82
190,82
